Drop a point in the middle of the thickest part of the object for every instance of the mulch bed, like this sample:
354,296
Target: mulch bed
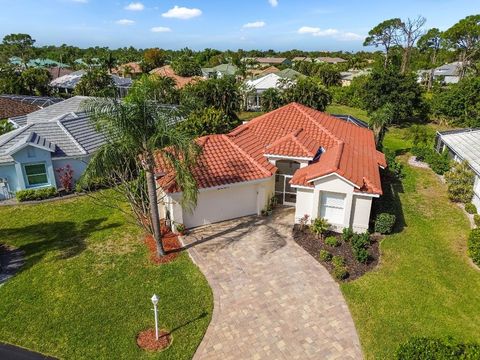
313,245
146,340
170,243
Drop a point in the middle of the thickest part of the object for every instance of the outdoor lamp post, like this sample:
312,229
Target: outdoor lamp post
155,302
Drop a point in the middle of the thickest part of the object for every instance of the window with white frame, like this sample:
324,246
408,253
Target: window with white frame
332,207
36,174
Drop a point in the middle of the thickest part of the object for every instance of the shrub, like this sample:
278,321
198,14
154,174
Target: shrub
360,241
66,177
180,228
347,234
36,194
439,163
332,241
340,272
474,246
325,255
394,168
476,219
428,348
319,226
421,152
460,182
361,255
338,261
384,223
470,208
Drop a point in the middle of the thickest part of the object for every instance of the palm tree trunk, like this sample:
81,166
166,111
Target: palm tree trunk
155,218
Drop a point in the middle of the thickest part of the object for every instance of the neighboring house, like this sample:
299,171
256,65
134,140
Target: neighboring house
463,145
44,63
56,72
180,81
46,140
330,60
446,74
131,69
67,83
348,76
298,59
17,105
219,71
321,165
268,61
256,87
261,72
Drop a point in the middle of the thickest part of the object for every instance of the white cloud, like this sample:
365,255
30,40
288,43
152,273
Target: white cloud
160,29
333,33
125,22
184,13
135,6
274,3
255,24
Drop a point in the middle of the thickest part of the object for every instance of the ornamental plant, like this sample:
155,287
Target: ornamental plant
319,227
460,181
65,175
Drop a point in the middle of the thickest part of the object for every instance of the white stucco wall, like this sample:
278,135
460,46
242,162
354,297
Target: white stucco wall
357,207
476,193
221,203
78,166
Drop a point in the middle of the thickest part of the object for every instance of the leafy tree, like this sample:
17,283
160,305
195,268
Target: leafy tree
186,66
136,131
419,135
458,104
465,37
36,80
384,34
271,99
387,86
328,74
109,62
95,82
20,45
379,120
207,121
10,80
222,94
153,58
310,92
5,126
431,42
164,89
460,181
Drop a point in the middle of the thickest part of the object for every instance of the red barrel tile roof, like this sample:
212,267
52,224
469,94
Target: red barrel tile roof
293,130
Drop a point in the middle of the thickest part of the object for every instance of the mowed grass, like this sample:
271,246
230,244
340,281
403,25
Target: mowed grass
425,284
85,290
338,109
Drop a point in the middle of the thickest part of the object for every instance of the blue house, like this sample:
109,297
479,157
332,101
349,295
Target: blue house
44,141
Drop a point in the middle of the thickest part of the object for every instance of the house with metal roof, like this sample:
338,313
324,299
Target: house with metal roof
463,145
46,140
446,74
219,71
324,166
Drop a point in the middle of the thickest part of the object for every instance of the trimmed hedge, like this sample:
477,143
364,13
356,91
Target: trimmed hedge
474,246
36,194
470,208
384,223
428,348
439,163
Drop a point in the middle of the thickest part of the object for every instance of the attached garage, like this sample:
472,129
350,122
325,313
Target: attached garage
333,207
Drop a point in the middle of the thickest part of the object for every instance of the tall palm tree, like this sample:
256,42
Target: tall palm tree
379,120
137,130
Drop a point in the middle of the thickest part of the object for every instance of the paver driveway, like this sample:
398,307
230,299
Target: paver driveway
272,300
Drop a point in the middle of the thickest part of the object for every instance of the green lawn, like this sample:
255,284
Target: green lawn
85,290
249,115
425,285
338,109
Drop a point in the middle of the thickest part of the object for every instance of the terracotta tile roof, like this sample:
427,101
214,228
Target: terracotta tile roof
181,81
11,108
132,67
221,162
294,131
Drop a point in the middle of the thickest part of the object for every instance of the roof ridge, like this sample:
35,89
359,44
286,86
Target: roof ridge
71,137
300,108
294,136
257,164
12,136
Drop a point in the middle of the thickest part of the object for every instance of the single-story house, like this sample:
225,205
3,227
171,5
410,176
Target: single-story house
321,165
348,76
463,145
446,74
219,71
268,61
298,59
180,81
131,69
276,80
330,60
261,72
67,83
46,140
17,105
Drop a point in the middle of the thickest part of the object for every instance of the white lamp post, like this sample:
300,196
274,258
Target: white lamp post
155,302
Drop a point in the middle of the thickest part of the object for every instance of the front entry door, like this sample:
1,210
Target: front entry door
285,194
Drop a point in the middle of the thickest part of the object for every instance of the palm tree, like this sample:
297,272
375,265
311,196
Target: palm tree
379,120
136,131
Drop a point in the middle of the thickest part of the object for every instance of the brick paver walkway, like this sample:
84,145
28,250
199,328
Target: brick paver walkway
272,299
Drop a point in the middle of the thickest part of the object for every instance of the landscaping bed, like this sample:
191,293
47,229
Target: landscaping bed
314,245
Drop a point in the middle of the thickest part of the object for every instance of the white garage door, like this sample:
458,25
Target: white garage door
224,204
333,207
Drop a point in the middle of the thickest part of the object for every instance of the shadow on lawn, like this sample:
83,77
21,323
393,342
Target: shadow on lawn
65,237
391,203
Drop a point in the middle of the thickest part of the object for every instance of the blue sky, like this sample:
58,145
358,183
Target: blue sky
222,24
